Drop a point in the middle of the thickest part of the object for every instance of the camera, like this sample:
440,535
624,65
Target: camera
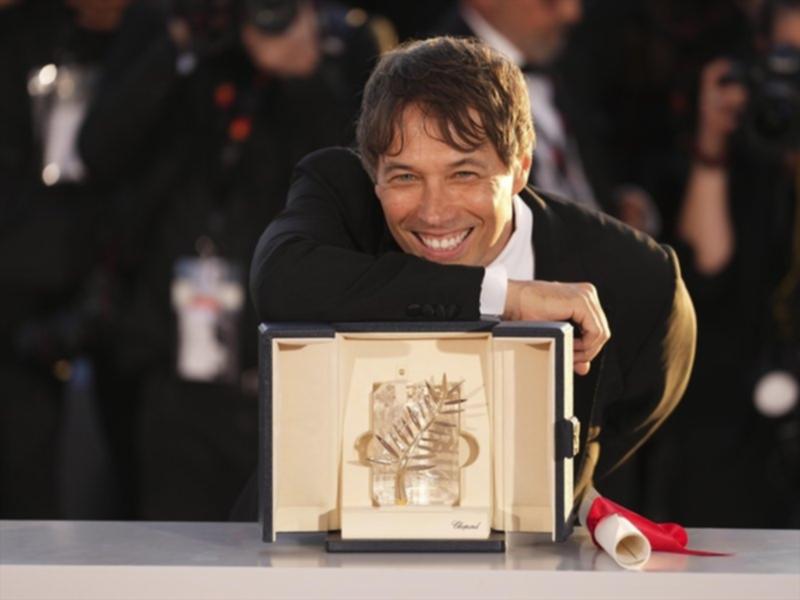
270,16
773,83
213,17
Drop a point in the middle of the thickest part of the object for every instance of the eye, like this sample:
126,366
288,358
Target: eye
403,178
465,175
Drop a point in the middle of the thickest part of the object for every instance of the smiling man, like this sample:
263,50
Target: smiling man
432,220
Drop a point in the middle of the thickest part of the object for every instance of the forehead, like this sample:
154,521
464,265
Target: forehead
418,134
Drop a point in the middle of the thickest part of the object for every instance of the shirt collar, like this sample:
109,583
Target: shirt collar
517,255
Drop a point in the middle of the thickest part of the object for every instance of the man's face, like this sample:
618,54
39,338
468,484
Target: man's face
444,204
538,28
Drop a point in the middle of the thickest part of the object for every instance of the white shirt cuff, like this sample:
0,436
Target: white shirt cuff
493,291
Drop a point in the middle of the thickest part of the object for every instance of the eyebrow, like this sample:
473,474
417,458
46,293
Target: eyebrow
467,160
390,166
396,166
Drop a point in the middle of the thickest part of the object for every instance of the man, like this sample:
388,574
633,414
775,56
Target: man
435,222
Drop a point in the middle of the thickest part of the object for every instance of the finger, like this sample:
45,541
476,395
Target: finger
583,355
582,368
600,315
597,334
592,325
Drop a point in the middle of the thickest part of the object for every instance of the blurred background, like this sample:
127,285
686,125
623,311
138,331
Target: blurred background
146,144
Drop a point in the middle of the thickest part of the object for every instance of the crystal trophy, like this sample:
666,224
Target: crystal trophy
414,448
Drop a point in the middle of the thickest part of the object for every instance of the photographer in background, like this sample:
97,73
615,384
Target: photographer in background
51,236
734,450
201,115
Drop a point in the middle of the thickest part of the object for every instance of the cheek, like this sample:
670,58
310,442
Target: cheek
495,209
488,201
397,205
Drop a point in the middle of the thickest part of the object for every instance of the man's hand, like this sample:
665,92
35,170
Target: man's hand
553,301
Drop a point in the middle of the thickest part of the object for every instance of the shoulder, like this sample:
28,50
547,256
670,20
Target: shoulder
328,161
607,246
336,172
636,277
331,184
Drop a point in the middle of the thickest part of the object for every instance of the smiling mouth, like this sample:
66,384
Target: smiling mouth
443,243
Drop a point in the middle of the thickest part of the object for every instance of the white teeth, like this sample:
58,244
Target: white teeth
444,243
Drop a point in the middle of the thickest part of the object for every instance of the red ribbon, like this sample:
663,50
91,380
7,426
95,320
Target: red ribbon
663,537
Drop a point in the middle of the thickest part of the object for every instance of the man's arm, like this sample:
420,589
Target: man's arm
321,259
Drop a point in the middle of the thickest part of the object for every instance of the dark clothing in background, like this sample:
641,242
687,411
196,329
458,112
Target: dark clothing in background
200,162
725,464
637,63
50,237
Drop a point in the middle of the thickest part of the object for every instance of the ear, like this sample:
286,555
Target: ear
522,169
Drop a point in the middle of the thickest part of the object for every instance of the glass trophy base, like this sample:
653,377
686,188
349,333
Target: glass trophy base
496,542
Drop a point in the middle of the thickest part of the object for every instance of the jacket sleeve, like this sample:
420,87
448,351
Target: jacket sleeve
320,258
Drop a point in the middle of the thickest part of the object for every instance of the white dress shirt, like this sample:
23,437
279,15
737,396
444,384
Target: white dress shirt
515,261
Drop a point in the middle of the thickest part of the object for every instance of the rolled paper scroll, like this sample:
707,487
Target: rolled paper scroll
628,537
615,534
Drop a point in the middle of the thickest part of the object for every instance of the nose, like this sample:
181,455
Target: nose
434,209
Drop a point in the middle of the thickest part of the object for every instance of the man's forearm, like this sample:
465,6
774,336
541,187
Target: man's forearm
308,281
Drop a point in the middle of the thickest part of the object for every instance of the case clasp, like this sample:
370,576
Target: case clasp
568,437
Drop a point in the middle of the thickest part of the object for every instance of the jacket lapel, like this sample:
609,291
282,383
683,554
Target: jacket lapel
552,259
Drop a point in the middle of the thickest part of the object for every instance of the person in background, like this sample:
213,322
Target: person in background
636,63
569,159
200,116
732,452
52,218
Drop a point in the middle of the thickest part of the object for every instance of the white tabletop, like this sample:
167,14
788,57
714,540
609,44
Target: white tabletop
111,560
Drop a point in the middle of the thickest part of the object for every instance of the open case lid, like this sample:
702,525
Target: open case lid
301,345
566,432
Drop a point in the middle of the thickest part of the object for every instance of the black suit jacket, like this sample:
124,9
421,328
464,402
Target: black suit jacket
329,256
